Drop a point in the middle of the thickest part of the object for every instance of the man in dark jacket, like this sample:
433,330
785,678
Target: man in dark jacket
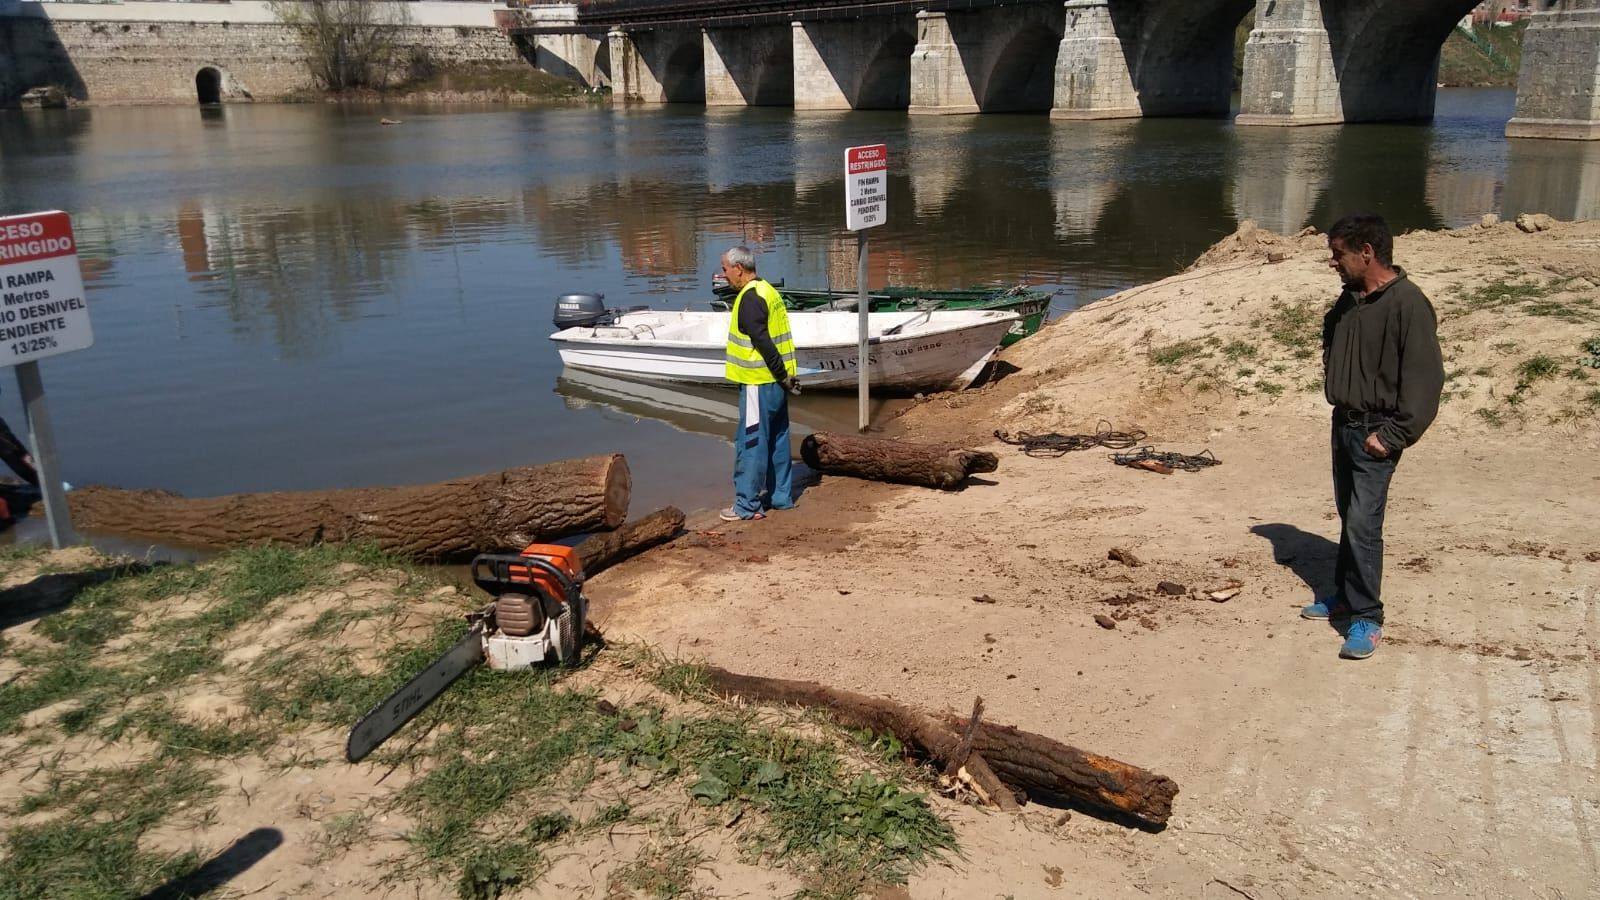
1383,374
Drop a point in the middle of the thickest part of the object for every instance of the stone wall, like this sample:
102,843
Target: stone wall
112,62
1558,95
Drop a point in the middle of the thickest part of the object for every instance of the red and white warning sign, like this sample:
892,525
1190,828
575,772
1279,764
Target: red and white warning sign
42,308
866,186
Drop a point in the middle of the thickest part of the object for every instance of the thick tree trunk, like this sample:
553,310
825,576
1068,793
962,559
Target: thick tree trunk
603,551
1045,767
916,729
874,459
449,520
1002,758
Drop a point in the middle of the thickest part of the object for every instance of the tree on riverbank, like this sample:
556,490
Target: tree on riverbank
349,43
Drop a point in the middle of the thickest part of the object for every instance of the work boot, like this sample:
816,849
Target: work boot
1361,639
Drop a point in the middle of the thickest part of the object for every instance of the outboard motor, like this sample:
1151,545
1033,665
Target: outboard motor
582,311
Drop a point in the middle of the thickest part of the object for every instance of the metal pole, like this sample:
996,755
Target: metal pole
861,317
43,441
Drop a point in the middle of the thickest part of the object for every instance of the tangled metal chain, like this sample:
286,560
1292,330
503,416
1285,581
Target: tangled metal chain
1203,459
1055,444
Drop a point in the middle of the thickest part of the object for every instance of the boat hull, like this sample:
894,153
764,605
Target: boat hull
938,360
1030,306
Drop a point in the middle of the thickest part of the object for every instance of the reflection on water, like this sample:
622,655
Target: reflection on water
294,296
706,410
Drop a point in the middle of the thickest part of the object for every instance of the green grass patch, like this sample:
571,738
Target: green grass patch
1171,354
13,556
180,738
90,848
1491,417
1297,326
1270,388
510,743
1538,368
1506,292
1464,61
1237,350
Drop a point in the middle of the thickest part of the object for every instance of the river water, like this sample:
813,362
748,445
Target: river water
292,297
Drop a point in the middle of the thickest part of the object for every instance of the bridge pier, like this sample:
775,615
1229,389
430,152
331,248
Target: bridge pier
1093,77
660,66
749,66
939,81
857,64
1558,91
1289,76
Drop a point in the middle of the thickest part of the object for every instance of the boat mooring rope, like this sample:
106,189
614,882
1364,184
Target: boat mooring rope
1055,444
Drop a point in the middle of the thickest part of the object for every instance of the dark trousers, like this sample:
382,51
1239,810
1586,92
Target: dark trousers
1361,492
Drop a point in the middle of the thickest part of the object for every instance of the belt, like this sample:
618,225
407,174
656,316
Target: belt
1360,418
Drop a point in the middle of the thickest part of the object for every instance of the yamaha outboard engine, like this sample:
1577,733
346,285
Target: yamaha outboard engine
582,311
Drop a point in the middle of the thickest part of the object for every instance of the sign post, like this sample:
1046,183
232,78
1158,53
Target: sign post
42,313
866,205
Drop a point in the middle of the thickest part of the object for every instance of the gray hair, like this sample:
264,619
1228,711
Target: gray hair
742,257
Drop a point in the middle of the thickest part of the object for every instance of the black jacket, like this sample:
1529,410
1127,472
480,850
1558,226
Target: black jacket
1380,354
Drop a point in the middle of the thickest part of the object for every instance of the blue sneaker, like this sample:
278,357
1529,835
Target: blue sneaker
1322,609
1361,639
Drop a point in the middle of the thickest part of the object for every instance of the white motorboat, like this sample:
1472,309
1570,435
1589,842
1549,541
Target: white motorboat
907,351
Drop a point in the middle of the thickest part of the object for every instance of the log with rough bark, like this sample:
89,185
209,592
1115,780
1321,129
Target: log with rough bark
605,550
916,729
875,459
1045,767
1002,758
448,520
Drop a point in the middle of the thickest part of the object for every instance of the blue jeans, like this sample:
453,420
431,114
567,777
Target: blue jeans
761,450
1361,493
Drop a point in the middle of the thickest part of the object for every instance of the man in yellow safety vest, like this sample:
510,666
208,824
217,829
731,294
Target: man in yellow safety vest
761,362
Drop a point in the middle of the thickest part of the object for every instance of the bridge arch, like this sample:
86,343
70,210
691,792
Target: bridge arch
683,72
1022,76
886,81
1129,58
1185,57
1386,54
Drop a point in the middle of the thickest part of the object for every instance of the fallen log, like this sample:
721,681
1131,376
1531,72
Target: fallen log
875,459
1044,768
449,520
602,551
916,729
1002,758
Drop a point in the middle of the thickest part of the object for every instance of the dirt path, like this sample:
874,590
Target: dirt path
1461,760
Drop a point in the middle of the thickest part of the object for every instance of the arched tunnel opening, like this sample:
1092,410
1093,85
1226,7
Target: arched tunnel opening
208,86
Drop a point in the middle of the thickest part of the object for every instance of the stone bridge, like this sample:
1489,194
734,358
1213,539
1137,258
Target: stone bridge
1307,62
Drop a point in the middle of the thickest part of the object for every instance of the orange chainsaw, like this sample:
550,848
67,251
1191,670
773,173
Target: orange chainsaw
538,612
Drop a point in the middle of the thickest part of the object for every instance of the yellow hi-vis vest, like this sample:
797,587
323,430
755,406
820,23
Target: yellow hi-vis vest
745,365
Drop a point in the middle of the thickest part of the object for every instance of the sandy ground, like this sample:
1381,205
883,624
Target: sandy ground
1459,761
